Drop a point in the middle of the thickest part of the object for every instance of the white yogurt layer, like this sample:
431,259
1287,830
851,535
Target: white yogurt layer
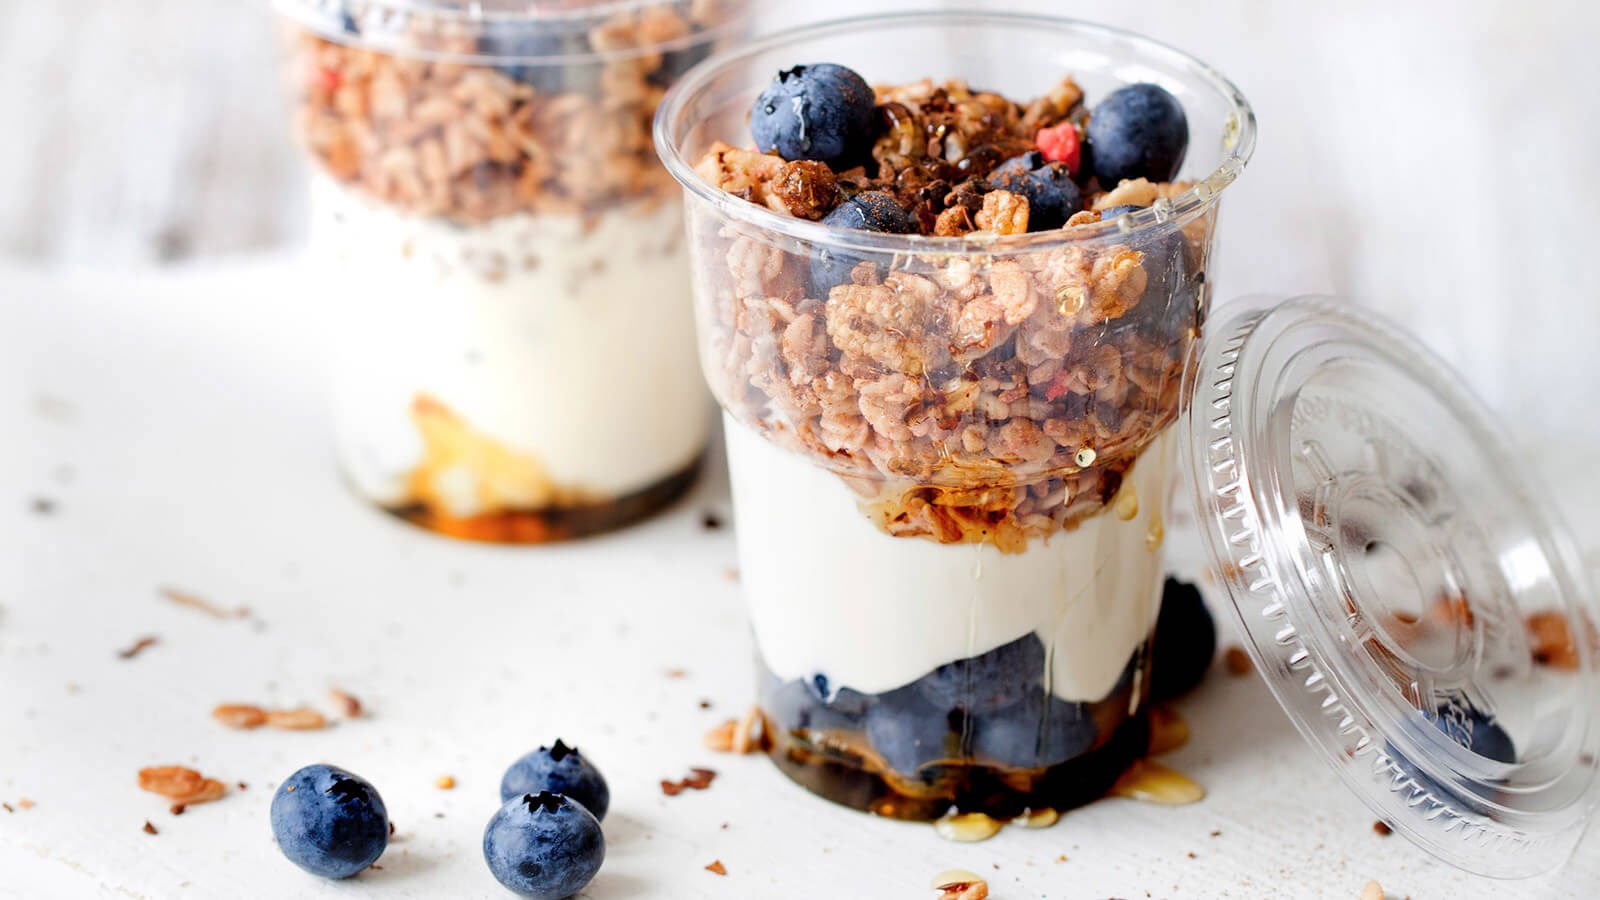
567,340
831,593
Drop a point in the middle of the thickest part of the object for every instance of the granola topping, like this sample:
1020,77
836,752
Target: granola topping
980,396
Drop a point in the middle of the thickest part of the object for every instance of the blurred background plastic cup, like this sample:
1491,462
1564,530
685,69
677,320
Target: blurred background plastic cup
951,457
502,255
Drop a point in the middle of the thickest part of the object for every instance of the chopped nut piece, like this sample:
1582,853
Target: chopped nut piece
302,719
240,716
183,598
1381,828
671,788
1004,213
149,829
347,704
138,647
717,867
720,738
1373,891
180,784
1553,645
445,782
1236,661
699,779
959,884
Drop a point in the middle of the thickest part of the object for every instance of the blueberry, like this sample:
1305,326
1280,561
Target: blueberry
824,112
1038,731
561,770
329,822
799,706
528,48
1019,165
909,732
1137,131
867,211
1468,726
1052,195
1185,640
544,846
1113,212
988,681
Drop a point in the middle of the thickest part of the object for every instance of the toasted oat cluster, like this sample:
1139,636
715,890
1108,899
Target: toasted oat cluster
972,393
505,134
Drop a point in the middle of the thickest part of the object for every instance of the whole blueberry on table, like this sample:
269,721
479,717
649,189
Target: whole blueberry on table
1137,131
1052,194
909,732
867,211
329,822
824,112
1184,643
988,681
558,769
1038,731
543,846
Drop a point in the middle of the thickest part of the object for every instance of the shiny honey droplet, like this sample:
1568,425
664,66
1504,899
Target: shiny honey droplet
1168,731
1038,818
1151,782
1155,534
967,828
1127,502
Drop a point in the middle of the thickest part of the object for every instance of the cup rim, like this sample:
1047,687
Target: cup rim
393,15
1164,212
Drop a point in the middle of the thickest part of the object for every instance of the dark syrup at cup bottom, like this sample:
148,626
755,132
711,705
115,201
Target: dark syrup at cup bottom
969,737
555,523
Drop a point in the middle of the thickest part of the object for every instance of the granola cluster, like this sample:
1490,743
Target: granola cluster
984,394
472,141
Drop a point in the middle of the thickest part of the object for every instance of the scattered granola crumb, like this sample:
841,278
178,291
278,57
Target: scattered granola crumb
730,574
240,715
25,803
676,673
1216,832
959,884
138,646
720,738
717,867
1381,828
177,809
43,506
705,704
74,688
7,807
243,786
1191,854
391,829
1062,858
193,601
1373,891
149,829
445,782
438,815
346,703
724,826
711,521
1236,661
302,719
1553,645
698,779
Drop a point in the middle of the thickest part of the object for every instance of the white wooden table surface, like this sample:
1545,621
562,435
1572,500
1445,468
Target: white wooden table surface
172,428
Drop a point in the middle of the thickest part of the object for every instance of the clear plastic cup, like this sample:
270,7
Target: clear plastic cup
951,457
502,255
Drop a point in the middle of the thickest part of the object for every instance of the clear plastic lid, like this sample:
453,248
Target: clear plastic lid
1401,583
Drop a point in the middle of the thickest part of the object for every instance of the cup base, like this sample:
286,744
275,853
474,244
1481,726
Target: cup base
831,766
553,524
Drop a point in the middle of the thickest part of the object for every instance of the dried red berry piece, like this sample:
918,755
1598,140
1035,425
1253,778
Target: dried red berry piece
1060,144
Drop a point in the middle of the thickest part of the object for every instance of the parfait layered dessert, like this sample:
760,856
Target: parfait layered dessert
947,328
505,256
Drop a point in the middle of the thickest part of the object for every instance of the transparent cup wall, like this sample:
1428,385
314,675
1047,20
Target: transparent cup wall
503,257
950,459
